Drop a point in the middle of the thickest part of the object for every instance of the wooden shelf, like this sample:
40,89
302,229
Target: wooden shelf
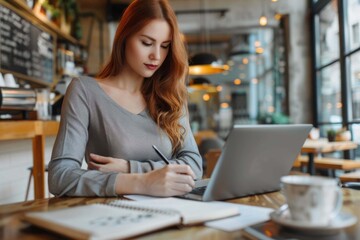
43,20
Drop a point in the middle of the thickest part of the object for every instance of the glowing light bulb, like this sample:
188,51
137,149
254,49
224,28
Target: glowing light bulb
259,50
237,81
277,16
224,105
263,20
206,97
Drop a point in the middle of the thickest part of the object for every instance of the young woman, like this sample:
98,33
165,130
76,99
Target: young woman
138,100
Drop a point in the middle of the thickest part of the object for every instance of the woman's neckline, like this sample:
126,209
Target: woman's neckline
114,102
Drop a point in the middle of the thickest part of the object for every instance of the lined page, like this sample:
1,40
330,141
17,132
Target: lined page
98,221
192,212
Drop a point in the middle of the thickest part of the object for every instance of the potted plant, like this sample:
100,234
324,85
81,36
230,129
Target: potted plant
331,134
51,11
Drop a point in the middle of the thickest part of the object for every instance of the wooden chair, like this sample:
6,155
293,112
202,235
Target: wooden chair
297,163
331,163
199,136
211,158
29,181
350,177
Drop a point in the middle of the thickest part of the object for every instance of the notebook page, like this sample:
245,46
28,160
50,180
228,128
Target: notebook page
99,221
192,212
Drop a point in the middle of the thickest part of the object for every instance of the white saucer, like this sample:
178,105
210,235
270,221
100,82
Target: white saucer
342,220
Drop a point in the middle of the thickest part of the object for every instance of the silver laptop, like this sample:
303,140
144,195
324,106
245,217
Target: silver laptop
252,161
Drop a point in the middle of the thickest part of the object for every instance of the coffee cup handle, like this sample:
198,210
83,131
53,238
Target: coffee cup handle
283,208
338,205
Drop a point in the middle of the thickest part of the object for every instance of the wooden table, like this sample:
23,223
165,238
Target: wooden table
11,227
315,147
37,131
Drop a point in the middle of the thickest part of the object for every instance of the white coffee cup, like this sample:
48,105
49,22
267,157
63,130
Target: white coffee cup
2,81
314,134
311,199
10,80
43,105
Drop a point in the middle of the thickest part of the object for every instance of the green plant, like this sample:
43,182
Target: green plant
71,13
70,9
52,11
331,134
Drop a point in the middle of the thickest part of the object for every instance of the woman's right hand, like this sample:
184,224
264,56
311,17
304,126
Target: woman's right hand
171,180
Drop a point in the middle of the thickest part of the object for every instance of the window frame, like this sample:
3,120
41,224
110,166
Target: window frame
343,60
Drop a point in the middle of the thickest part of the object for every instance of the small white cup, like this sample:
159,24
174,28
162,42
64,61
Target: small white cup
2,81
43,105
311,199
314,134
10,80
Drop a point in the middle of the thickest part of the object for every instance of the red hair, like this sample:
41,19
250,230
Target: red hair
165,91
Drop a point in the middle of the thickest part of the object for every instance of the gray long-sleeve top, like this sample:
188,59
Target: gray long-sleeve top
91,122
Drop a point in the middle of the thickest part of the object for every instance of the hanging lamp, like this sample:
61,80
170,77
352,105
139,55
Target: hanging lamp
201,83
206,64
263,21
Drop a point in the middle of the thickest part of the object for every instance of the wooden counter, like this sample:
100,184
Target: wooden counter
37,131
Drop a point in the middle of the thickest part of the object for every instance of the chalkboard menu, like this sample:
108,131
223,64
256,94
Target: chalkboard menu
25,48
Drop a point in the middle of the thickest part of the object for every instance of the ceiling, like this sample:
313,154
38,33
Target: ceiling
211,22
221,16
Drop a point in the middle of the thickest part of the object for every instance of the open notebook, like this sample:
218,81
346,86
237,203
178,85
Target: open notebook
123,219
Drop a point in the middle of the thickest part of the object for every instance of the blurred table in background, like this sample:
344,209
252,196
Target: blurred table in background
317,147
37,131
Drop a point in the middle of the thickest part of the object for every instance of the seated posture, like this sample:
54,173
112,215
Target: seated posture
138,100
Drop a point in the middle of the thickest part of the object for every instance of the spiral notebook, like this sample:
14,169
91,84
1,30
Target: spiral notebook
122,219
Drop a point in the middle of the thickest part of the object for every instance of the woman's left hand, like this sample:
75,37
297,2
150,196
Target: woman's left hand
108,164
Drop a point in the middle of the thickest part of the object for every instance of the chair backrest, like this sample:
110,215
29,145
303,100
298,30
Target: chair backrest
210,143
211,158
204,134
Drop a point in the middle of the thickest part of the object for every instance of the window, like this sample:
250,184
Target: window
355,85
355,129
353,20
337,66
330,94
355,32
329,33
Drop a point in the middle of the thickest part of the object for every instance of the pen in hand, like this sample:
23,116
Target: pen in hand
161,155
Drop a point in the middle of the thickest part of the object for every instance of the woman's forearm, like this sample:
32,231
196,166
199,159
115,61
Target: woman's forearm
131,183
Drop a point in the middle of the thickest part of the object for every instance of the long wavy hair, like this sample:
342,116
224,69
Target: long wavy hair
165,91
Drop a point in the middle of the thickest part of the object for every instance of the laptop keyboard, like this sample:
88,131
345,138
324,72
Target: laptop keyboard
199,190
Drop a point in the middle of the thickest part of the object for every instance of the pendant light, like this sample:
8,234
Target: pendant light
206,63
202,83
263,19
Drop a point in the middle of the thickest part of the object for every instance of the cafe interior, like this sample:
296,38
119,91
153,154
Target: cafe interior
251,62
